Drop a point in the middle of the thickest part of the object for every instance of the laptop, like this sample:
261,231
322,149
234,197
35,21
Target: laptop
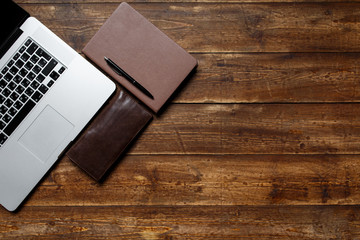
48,94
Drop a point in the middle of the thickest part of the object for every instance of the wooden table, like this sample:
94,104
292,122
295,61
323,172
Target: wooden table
262,142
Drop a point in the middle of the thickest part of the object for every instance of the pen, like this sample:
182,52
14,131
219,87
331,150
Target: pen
121,72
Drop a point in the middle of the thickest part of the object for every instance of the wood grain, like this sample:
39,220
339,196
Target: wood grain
199,180
253,129
273,77
227,28
169,222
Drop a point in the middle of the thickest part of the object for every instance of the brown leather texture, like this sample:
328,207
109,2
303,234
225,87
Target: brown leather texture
109,134
144,52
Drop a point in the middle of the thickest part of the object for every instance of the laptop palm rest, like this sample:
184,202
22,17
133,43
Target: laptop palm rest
46,133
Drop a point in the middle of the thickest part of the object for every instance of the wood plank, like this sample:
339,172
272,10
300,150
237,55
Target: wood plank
169,222
200,27
273,77
179,180
253,129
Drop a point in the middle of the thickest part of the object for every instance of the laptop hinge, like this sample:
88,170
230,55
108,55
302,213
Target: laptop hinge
10,41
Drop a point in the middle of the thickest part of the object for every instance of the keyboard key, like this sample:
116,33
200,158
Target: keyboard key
8,103
2,99
49,67
5,70
29,91
29,66
50,83
31,76
3,138
34,59
6,92
25,57
23,72
10,63
3,109
16,56
61,70
2,125
32,48
17,79
18,105
20,89
54,75
37,96
43,89
12,111
3,84
37,69
19,117
35,85
41,53
22,49
42,62
12,85
14,96
8,77
28,42
23,98
19,63
25,82
40,78
6,118
14,70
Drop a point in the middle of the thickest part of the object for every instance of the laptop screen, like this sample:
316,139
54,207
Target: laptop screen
11,17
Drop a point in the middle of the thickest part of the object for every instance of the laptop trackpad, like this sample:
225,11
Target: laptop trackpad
46,133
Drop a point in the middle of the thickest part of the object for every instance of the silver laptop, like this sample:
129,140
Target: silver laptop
48,93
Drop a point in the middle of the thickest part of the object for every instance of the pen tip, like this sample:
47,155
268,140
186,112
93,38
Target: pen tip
106,58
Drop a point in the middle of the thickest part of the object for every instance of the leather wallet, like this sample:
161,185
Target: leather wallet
109,134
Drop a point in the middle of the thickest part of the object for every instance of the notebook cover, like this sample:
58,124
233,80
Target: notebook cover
144,52
109,134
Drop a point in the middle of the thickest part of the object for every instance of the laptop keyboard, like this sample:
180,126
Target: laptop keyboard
24,80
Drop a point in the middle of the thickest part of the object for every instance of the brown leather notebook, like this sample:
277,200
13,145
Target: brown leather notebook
109,134
144,52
